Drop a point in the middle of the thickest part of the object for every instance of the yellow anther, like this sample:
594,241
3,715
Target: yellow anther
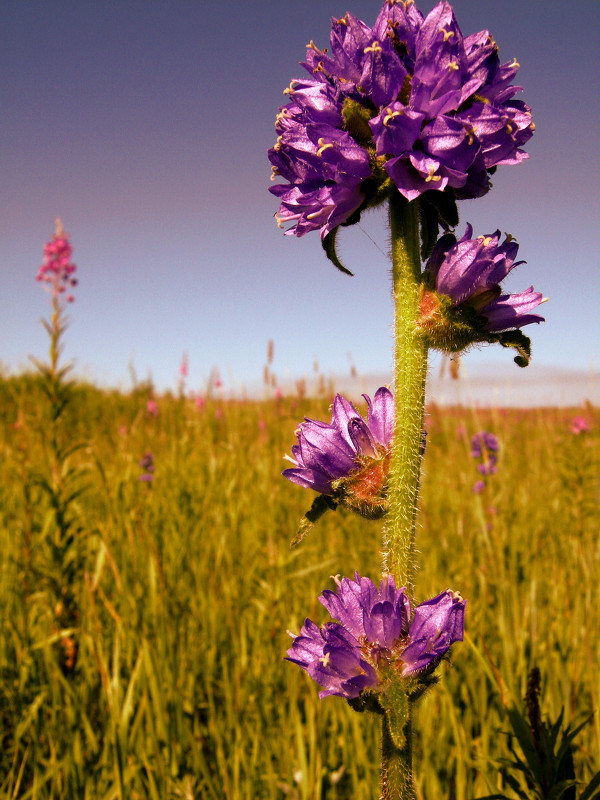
509,127
453,66
515,64
391,114
432,177
485,240
325,660
544,300
342,21
470,133
290,88
277,145
374,48
282,115
279,221
447,34
532,126
318,68
274,173
314,215
323,145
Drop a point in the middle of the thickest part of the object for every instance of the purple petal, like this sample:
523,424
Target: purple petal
381,416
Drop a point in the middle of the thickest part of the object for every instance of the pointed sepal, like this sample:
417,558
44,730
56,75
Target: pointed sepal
520,342
321,505
329,246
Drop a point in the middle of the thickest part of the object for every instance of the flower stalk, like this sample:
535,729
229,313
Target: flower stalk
62,482
409,378
396,764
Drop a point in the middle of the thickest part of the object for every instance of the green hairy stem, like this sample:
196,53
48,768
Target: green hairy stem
396,766
409,391
405,467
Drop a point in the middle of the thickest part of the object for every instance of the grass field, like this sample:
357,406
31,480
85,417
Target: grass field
185,587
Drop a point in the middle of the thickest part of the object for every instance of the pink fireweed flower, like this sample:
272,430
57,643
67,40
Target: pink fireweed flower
184,366
152,408
57,271
579,425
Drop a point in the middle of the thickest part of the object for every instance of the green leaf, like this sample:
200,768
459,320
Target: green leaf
592,785
321,504
494,797
515,786
559,789
329,246
523,733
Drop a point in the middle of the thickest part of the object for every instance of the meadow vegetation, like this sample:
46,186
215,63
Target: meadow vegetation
185,586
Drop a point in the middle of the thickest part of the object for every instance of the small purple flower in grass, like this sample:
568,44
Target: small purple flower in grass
484,446
462,302
374,642
146,462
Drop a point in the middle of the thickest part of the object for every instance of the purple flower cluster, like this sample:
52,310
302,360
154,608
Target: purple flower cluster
469,271
327,452
57,269
374,637
484,446
409,103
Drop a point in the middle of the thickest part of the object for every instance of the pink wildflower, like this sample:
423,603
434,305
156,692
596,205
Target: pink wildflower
579,425
183,367
152,408
57,269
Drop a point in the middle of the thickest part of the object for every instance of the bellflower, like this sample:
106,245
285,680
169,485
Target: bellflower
462,301
347,459
374,642
470,271
410,103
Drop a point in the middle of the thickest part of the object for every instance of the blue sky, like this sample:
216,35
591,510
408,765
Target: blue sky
144,125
